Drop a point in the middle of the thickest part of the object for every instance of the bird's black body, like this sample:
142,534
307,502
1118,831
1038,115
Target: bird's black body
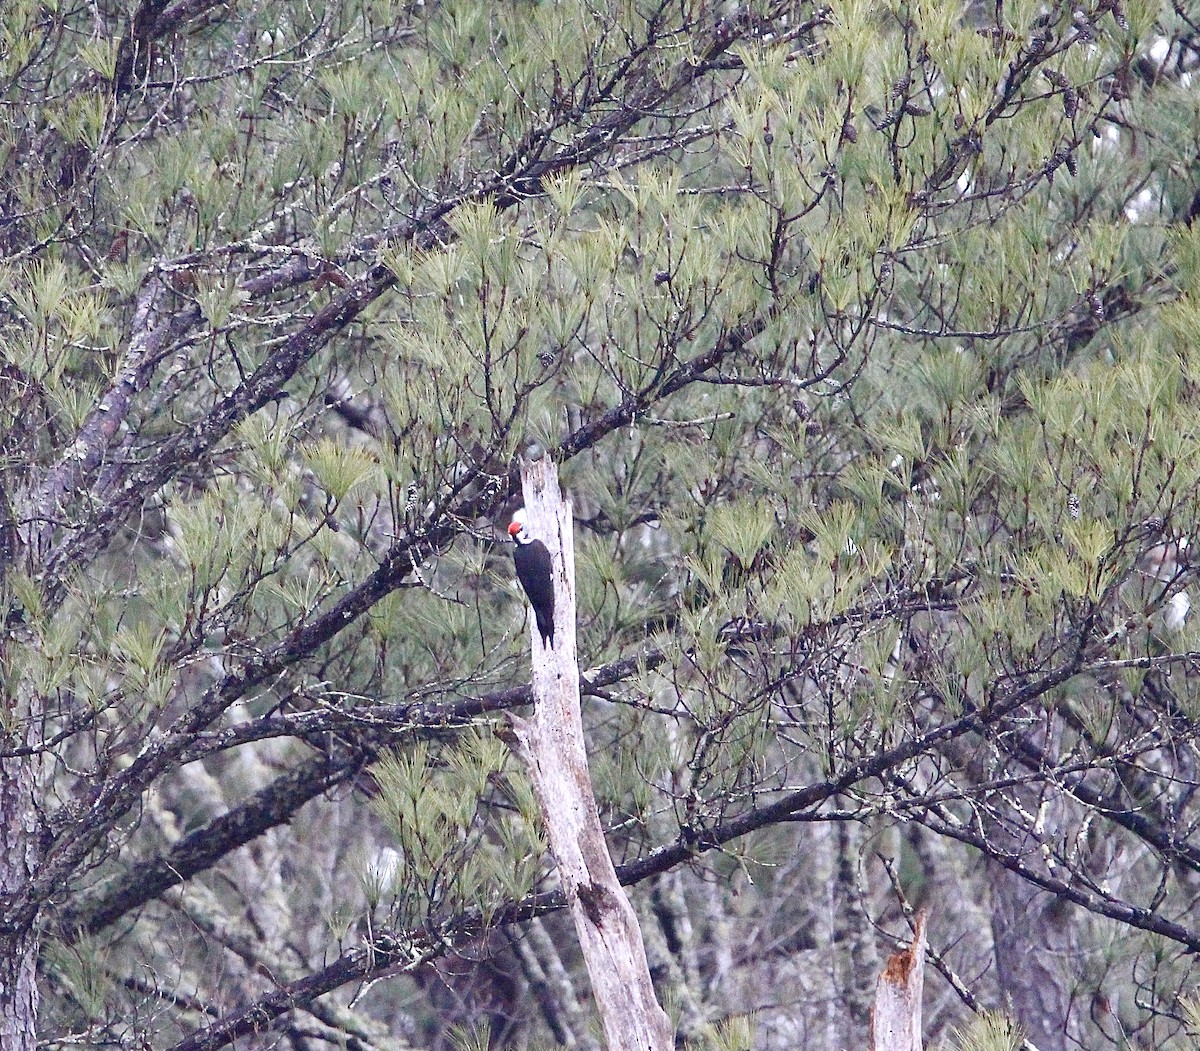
532,561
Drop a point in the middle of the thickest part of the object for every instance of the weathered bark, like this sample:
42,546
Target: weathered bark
1035,934
896,1018
852,931
18,989
551,745
1035,938
20,841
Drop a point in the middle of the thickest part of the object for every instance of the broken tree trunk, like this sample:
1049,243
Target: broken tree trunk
896,1017
551,746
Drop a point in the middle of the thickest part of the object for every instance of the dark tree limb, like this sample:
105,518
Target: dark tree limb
358,964
366,732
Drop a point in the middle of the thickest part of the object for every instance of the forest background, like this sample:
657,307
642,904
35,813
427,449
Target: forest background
864,337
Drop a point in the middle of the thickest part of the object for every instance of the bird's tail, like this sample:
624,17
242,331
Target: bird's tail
545,628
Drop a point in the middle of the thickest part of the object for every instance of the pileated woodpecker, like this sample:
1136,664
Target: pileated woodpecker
533,571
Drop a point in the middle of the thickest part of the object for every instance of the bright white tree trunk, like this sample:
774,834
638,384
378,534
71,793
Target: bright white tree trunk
896,1017
552,748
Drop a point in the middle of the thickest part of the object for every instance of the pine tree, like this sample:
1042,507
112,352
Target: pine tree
863,336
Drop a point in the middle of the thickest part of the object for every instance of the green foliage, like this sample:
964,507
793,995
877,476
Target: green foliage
84,969
1191,1012
988,1031
731,1034
458,844
477,1039
864,334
